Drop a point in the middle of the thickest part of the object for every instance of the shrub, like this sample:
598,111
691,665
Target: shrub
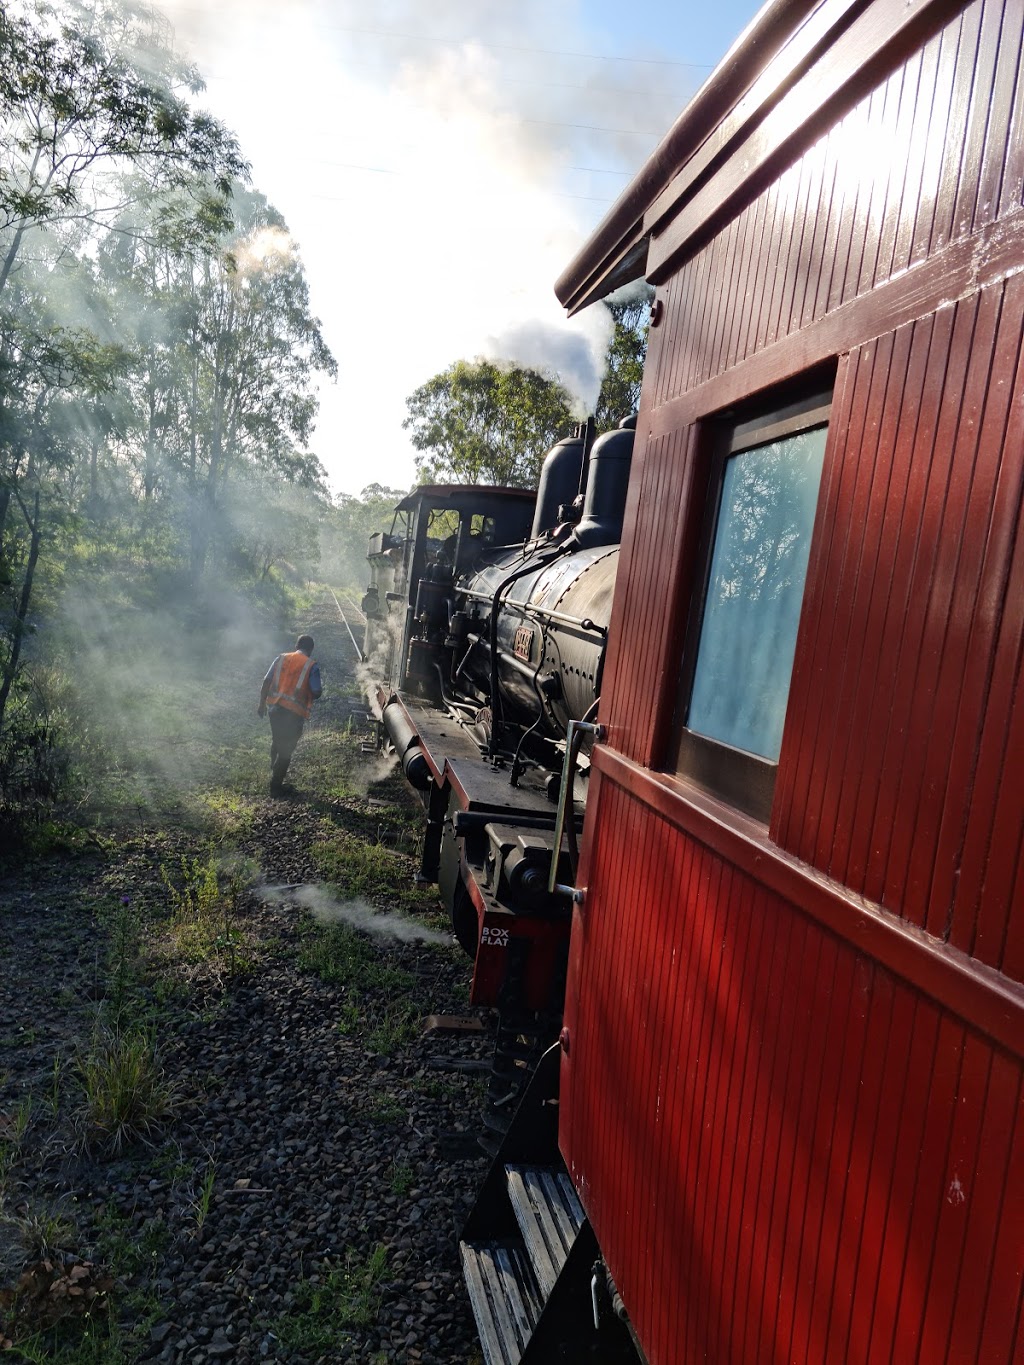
37,768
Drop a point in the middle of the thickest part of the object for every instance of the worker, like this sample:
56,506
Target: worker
289,690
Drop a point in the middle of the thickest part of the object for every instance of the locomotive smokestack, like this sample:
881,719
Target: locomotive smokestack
560,477
607,481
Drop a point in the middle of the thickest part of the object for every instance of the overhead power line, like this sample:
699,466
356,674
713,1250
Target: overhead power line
391,170
555,194
496,47
588,127
545,123
515,47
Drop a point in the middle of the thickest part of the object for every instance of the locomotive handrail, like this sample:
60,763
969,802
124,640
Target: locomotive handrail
560,618
575,731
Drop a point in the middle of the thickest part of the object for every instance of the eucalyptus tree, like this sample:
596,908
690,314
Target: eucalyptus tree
88,92
485,423
254,353
56,379
479,422
624,359
95,113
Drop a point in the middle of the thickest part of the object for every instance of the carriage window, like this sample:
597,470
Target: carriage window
742,640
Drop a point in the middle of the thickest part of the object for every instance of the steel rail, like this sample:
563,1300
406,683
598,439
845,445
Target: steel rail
344,620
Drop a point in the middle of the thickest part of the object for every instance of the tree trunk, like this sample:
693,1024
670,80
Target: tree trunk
94,456
149,479
18,630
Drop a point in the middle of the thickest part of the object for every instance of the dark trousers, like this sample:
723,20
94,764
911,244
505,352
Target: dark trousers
285,729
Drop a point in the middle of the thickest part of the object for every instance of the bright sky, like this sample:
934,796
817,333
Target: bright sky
439,162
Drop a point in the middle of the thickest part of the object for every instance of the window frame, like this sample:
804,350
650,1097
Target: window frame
742,779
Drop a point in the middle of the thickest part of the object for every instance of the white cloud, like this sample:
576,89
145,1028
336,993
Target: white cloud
431,186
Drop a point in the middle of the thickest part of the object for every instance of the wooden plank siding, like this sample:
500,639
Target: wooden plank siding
792,1155
903,620
897,680
791,1090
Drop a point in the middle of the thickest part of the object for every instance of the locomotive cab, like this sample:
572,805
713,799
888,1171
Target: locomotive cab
437,533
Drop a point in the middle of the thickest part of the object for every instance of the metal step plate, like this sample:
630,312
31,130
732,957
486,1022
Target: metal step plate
549,1217
504,1298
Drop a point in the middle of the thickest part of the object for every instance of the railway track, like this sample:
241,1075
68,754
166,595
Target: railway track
346,623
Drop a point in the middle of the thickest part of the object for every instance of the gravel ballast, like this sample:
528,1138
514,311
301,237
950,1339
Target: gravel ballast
303,1202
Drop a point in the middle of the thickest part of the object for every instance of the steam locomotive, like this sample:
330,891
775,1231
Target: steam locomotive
487,624
783,1118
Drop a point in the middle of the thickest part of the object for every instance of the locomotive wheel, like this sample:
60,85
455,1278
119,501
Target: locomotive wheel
464,920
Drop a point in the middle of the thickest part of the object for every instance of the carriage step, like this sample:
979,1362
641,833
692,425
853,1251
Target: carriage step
503,1295
549,1217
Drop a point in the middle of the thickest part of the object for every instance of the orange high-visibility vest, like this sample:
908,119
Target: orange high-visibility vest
289,686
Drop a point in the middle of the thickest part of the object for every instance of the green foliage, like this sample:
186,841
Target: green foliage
356,868
346,1296
158,364
205,1196
18,1122
385,1111
196,899
77,102
624,358
349,526
349,1019
203,916
401,1178
41,1232
486,423
340,956
391,1026
383,1026
125,1094
124,928
40,755
376,1000
224,389
493,423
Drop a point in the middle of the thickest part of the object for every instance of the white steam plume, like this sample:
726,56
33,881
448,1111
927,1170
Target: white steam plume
358,914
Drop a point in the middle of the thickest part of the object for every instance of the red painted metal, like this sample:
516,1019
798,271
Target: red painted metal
792,1097
499,930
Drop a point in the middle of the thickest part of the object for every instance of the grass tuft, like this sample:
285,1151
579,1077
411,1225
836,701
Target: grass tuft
401,1178
126,1096
356,869
41,1232
13,1127
348,1296
204,916
204,1198
340,956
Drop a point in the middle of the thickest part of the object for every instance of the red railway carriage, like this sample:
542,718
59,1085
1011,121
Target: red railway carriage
790,1073
787,1092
